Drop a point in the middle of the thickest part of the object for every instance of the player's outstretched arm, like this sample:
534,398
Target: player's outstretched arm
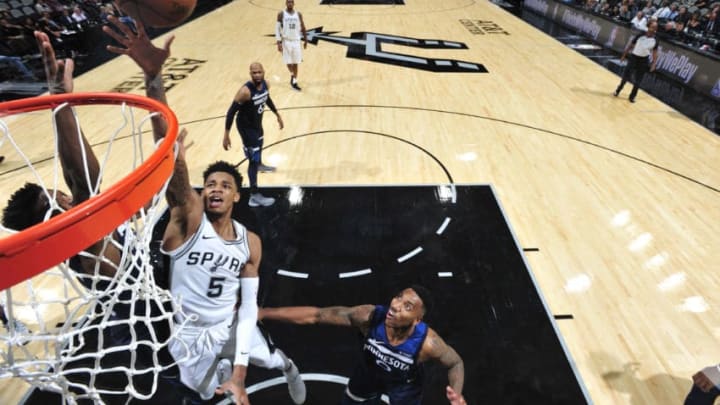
358,316
186,205
73,148
80,166
148,57
435,348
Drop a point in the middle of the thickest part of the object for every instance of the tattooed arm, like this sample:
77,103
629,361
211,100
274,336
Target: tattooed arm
435,348
358,316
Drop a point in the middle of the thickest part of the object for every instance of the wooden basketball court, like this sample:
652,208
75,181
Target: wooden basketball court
615,204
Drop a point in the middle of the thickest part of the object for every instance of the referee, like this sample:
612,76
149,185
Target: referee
639,48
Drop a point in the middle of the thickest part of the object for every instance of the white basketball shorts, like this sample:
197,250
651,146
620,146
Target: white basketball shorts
292,52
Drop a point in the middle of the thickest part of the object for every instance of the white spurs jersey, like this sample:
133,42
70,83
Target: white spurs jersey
291,29
205,272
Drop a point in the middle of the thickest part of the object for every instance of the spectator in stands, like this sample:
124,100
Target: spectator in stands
42,7
56,5
14,68
48,25
639,22
602,4
624,13
79,16
13,40
711,27
633,7
701,4
29,27
66,21
54,32
648,8
92,10
106,10
677,24
663,13
693,29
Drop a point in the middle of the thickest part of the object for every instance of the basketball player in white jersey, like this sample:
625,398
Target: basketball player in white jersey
289,29
212,257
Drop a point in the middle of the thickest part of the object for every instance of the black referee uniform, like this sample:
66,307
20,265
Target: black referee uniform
639,62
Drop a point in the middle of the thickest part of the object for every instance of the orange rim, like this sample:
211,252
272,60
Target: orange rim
42,246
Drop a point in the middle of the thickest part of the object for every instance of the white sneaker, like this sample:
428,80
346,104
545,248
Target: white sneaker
224,370
266,169
257,200
296,385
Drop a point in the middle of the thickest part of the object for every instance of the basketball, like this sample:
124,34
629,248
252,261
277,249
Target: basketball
158,13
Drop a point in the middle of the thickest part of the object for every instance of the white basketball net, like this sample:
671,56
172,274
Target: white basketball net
89,336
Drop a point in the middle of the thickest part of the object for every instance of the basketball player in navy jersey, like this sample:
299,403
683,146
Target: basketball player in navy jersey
248,105
289,29
397,341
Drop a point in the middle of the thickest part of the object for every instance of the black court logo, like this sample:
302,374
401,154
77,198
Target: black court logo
482,27
368,46
174,71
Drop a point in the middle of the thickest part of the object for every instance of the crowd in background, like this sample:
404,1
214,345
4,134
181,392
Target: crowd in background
68,23
692,22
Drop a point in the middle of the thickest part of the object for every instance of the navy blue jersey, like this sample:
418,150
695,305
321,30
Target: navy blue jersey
388,369
251,111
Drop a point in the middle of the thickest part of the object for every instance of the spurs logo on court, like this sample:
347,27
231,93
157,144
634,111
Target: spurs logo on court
368,46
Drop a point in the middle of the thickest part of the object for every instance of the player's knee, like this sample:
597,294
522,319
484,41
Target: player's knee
261,362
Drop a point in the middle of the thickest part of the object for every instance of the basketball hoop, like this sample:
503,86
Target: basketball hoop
64,235
80,343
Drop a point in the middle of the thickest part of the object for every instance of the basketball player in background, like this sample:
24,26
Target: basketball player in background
397,342
289,28
247,109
